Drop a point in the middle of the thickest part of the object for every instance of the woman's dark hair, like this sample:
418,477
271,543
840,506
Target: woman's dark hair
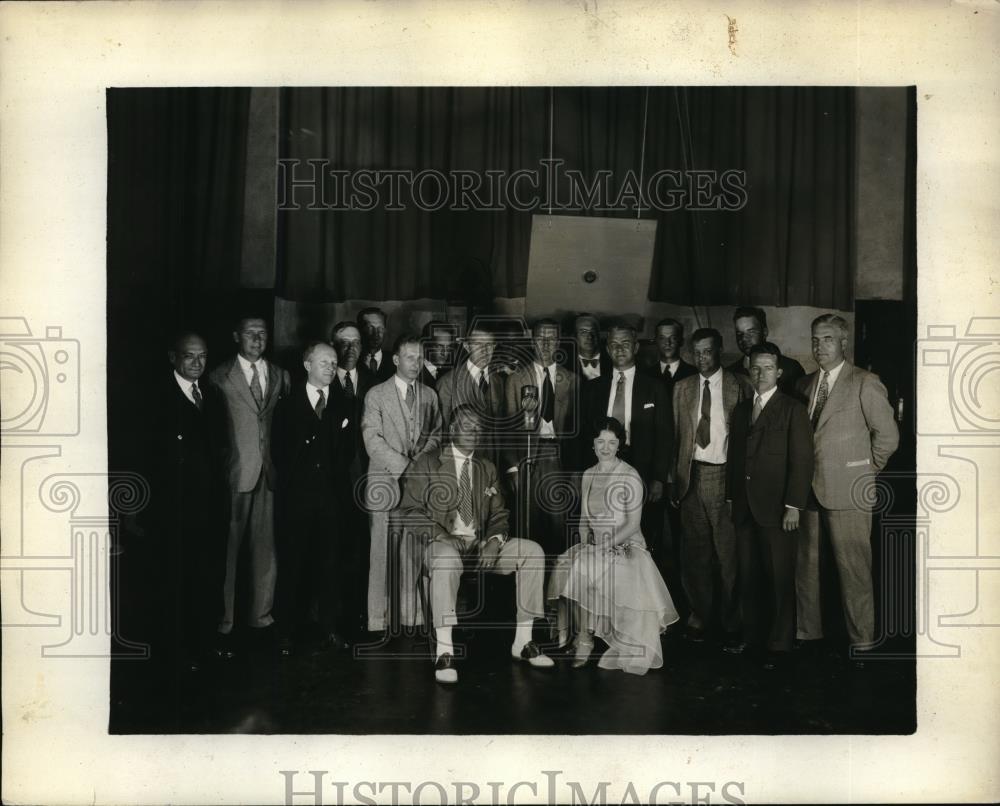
609,424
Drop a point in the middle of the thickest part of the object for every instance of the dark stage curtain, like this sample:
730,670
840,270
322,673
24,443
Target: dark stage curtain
176,167
792,243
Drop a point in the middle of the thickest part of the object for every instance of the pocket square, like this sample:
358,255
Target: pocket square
344,424
648,405
859,463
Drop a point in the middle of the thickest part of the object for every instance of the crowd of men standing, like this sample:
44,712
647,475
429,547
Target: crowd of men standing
284,490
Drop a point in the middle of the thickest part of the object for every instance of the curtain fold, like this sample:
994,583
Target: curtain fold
791,244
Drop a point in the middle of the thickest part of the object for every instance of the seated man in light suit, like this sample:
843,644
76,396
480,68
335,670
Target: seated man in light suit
455,496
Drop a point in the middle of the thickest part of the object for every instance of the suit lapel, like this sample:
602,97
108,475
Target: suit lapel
273,384
837,395
239,383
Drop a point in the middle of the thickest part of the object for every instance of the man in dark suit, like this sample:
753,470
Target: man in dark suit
768,474
453,492
669,369
590,361
305,433
703,407
251,386
347,392
475,382
643,408
854,435
439,351
371,324
542,409
751,330
188,457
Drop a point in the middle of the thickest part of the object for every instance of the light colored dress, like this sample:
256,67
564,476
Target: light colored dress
620,587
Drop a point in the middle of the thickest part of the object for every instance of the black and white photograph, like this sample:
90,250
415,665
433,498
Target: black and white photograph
582,401
545,410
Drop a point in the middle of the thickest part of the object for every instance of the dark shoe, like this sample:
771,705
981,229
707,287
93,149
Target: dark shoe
584,646
334,642
807,648
224,646
775,661
285,647
444,669
533,655
695,635
734,645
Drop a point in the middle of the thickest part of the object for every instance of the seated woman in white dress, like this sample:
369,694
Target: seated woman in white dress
607,581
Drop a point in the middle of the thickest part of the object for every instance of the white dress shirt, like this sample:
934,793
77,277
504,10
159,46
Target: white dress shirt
185,386
629,380
312,392
545,430
431,368
475,372
590,372
673,365
247,368
830,381
715,452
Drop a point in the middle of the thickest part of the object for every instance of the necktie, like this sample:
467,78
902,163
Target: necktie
618,408
320,404
704,433
590,362
465,494
409,397
196,394
548,398
348,386
372,363
666,372
821,395
255,390
758,407
483,385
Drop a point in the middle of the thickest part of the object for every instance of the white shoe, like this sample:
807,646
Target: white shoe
533,655
444,671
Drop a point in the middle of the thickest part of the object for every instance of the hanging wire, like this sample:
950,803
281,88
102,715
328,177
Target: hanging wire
552,106
687,157
642,154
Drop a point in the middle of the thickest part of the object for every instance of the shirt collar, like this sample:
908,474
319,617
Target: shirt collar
324,389
833,372
672,364
629,373
474,371
182,382
341,372
246,365
539,369
401,385
458,454
765,397
714,379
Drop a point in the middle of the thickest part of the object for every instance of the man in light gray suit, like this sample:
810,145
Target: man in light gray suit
401,421
703,407
854,434
251,386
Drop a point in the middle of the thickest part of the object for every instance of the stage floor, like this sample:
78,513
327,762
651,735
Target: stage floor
699,690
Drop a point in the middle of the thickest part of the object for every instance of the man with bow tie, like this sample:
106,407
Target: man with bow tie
307,427
591,361
188,512
854,435
768,472
251,386
452,500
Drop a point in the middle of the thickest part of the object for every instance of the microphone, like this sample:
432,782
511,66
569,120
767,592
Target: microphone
529,405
